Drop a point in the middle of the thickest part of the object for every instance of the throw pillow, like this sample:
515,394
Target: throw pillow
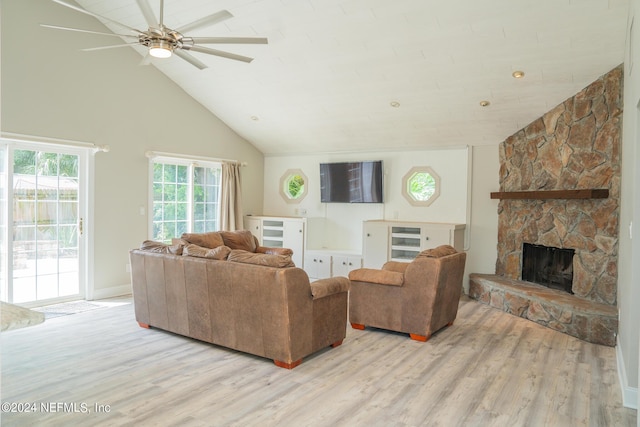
268,260
210,240
219,253
159,247
240,239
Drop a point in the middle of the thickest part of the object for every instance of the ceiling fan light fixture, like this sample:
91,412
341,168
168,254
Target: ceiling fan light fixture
160,49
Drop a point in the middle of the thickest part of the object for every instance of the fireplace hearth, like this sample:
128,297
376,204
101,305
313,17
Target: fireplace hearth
548,266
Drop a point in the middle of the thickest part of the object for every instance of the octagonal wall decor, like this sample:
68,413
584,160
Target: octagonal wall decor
421,186
293,186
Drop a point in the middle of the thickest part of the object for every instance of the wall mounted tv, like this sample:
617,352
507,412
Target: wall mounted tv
351,182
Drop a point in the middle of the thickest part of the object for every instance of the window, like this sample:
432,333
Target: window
421,186
186,198
293,186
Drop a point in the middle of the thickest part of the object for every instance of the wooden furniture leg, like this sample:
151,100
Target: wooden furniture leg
144,325
287,365
336,344
357,326
421,338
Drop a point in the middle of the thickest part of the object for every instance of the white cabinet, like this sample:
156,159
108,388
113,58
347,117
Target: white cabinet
376,241
402,241
321,264
279,232
343,264
254,224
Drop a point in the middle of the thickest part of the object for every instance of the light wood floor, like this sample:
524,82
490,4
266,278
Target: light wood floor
488,369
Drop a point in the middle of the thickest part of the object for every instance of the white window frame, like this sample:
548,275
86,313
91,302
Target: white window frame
191,163
407,193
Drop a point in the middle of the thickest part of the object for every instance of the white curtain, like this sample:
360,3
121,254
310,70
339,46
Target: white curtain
231,198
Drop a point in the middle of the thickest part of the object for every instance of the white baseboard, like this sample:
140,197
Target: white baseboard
111,292
629,394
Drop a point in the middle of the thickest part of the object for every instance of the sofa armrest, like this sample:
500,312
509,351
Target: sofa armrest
325,287
380,277
273,251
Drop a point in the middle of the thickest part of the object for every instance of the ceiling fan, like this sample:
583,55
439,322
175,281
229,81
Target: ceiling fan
163,41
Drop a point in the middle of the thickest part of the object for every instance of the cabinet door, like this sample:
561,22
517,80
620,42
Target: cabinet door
318,266
293,238
255,226
375,246
433,237
342,265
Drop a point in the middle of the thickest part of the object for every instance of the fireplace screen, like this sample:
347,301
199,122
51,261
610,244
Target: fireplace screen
548,266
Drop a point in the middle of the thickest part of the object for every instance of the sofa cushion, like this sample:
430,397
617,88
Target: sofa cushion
240,239
159,247
438,252
210,240
268,260
220,253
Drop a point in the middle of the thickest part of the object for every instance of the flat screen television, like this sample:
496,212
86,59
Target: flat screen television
351,182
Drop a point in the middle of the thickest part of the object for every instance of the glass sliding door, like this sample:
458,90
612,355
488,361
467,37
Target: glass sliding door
46,224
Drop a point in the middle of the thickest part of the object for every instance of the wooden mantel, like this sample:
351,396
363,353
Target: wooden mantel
592,193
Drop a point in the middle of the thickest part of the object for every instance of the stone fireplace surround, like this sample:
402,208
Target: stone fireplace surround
574,146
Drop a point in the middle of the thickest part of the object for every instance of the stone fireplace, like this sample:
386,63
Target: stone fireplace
560,188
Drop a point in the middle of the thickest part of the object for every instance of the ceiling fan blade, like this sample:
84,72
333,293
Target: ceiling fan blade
95,15
190,59
216,52
229,40
207,20
90,49
148,14
57,27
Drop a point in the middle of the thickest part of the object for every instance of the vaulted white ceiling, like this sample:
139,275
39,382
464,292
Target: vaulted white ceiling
332,68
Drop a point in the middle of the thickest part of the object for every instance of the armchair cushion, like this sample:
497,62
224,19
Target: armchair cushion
334,285
439,252
269,260
396,266
380,277
210,240
219,253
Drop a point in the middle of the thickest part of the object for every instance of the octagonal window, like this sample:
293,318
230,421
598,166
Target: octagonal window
293,186
421,186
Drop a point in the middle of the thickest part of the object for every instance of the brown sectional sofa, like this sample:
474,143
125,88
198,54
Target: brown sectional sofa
252,300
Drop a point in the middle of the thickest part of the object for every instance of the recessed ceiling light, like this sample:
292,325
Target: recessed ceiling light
254,118
518,74
484,103
394,104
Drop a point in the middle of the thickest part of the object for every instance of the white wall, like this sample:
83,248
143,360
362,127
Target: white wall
342,222
483,239
629,248
52,89
467,175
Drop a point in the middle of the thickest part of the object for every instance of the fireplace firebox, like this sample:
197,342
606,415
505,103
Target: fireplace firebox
548,266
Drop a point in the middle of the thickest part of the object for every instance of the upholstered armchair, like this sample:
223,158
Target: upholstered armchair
418,298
